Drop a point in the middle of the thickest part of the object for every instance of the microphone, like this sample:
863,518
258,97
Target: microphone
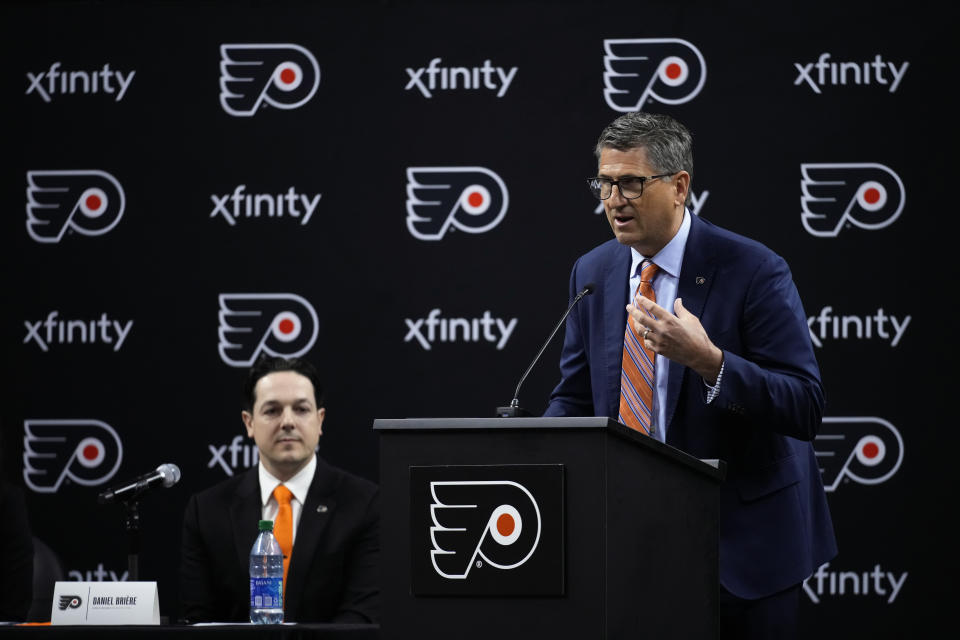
514,409
166,475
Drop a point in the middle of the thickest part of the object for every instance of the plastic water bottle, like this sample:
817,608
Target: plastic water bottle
266,577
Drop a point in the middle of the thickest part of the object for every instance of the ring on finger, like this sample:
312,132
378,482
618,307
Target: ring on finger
645,333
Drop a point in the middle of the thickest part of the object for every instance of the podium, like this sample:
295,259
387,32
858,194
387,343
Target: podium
544,528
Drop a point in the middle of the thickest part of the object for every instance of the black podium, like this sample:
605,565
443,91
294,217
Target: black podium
544,528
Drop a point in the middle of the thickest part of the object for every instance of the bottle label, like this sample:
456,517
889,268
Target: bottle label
266,593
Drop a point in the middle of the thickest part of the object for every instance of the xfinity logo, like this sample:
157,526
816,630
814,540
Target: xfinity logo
284,76
88,452
233,456
53,330
695,204
278,324
820,73
471,199
433,328
53,81
236,205
866,450
97,575
89,202
826,326
834,195
877,582
433,77
665,70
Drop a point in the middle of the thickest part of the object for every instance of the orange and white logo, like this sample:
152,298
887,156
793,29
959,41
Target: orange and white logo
88,452
834,195
87,201
278,324
284,76
638,70
471,199
492,522
866,450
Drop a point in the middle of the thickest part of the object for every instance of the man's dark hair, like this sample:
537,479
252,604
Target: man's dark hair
265,365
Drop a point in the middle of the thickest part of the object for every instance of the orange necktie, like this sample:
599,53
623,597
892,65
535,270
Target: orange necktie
636,376
283,528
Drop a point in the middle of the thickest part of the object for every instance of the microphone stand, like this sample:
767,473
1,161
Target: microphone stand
514,410
131,522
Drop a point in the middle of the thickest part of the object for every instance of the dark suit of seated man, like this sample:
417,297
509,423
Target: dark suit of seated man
332,569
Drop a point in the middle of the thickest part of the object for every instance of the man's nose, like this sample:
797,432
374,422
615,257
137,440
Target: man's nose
616,198
286,418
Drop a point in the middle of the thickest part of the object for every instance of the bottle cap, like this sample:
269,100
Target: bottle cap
266,525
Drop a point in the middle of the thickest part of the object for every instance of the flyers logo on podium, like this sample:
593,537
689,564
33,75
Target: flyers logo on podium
87,452
284,76
638,70
836,195
865,450
278,324
487,530
470,199
86,201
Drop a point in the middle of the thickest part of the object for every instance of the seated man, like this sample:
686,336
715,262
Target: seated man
326,520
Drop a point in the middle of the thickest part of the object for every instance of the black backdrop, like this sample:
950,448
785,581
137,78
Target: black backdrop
791,100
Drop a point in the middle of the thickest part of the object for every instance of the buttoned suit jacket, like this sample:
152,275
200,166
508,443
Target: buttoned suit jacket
333,571
775,526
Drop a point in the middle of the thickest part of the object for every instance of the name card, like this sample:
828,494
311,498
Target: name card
105,603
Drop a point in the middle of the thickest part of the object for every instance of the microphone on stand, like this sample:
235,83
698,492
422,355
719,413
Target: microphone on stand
514,410
166,475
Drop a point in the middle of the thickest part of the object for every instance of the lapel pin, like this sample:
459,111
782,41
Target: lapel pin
322,508
701,279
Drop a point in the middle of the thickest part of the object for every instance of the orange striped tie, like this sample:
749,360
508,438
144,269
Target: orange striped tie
636,376
283,528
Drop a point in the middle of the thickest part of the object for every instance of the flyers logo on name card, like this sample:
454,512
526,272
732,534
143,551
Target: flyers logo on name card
284,76
87,452
866,450
663,70
470,199
837,195
88,202
278,324
487,529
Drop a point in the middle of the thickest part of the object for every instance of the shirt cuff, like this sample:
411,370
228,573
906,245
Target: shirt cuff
714,391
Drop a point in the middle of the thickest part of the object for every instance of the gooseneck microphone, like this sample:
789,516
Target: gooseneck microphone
165,475
514,409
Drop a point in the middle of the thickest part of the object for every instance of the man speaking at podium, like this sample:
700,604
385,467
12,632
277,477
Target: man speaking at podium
325,519
716,360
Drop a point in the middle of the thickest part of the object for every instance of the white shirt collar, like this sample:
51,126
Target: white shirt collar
298,484
670,258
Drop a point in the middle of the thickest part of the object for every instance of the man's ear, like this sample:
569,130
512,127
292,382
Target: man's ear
321,414
248,422
683,187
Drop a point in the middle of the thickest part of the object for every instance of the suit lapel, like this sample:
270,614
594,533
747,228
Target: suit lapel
245,513
614,324
696,278
314,517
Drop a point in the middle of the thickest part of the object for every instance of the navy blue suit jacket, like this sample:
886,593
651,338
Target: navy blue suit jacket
333,574
775,527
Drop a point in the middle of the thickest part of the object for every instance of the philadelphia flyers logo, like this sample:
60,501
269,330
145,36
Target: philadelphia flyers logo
865,450
476,522
73,602
88,452
278,324
862,194
641,70
284,76
88,202
470,199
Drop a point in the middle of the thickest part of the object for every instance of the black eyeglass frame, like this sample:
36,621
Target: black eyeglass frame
642,179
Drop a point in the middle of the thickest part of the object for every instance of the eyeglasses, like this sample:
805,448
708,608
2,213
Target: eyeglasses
631,187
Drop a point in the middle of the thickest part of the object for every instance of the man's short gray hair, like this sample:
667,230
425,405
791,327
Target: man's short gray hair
668,144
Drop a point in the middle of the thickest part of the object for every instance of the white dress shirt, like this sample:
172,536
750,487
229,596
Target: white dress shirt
298,485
